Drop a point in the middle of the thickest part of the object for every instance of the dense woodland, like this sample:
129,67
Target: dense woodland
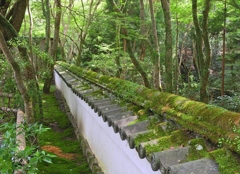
186,47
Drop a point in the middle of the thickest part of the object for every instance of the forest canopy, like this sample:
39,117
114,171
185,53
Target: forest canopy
186,47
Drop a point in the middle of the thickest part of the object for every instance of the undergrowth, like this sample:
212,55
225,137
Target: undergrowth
60,140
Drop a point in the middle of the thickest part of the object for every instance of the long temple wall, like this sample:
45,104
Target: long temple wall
113,154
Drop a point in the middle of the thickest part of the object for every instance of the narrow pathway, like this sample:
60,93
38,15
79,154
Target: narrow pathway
60,140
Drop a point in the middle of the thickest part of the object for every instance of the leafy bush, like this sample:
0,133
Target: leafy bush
12,159
231,103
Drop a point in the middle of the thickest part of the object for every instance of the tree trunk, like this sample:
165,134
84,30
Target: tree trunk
15,16
156,55
18,77
202,37
168,45
117,59
137,65
135,62
46,14
204,80
48,81
224,47
143,31
177,73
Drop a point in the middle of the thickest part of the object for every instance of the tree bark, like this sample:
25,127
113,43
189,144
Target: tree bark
143,31
177,72
48,81
168,45
156,55
224,48
18,77
202,37
137,65
135,62
28,72
46,14
15,16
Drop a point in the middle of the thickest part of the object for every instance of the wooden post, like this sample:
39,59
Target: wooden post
20,137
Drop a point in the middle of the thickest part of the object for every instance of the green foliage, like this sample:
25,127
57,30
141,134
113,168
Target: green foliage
26,160
7,83
190,89
227,162
229,102
234,141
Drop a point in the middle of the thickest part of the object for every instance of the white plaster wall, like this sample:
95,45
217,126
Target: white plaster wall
114,155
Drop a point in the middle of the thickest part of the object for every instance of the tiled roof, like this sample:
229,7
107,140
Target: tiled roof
168,146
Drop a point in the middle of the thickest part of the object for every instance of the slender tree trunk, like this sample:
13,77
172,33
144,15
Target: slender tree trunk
46,14
117,59
177,73
37,98
56,29
28,72
18,77
48,81
137,65
34,65
168,45
204,82
156,56
135,62
143,31
202,37
224,47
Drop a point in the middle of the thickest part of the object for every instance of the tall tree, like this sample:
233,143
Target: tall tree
168,45
224,46
16,69
156,55
46,14
93,6
143,30
202,41
11,21
53,53
129,47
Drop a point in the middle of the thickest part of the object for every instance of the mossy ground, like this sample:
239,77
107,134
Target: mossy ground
61,137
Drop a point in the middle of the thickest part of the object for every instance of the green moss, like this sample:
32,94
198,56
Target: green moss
147,104
60,165
175,101
148,136
143,114
180,137
60,135
176,139
133,122
197,149
227,162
